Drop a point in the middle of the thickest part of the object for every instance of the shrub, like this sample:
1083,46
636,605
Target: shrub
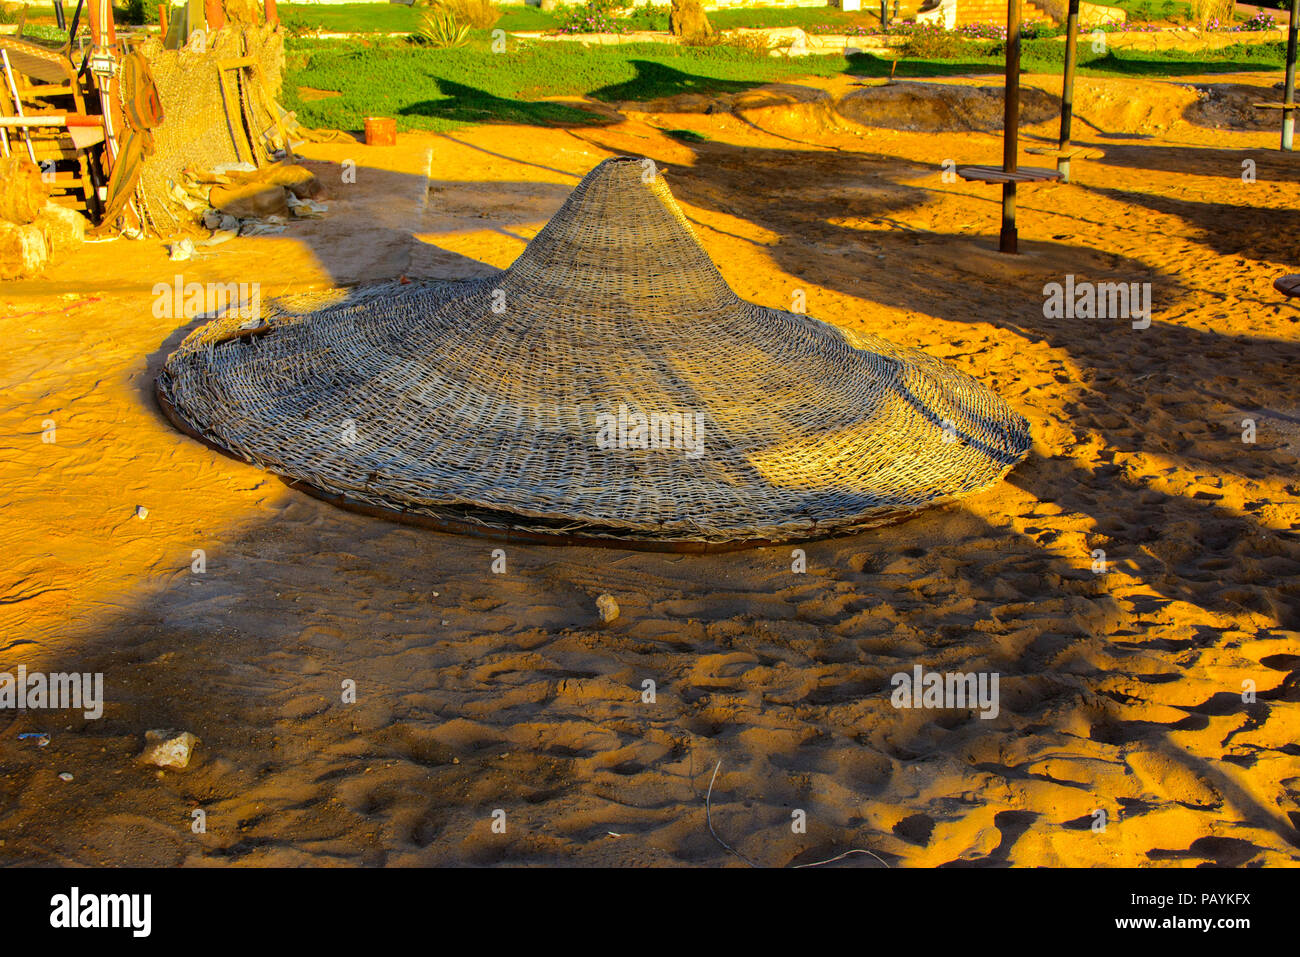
139,11
594,16
927,42
440,28
648,17
1260,21
753,43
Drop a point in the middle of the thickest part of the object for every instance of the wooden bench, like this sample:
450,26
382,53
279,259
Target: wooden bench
1068,153
996,174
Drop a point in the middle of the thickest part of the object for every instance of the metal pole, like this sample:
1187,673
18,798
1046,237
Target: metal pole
884,16
18,104
1288,89
1067,86
1011,127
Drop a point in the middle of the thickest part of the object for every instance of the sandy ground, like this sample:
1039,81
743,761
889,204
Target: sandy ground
478,691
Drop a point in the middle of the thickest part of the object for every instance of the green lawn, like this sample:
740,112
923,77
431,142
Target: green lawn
392,18
444,89
396,18
1154,11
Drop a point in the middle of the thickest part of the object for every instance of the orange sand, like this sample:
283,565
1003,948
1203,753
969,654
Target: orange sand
479,691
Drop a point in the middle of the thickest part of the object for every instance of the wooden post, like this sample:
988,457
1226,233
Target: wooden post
1067,86
214,12
1011,128
1288,89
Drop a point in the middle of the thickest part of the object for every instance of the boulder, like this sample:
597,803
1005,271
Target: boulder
62,227
23,250
22,191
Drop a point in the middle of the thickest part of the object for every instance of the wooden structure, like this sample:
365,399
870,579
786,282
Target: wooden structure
43,83
1010,174
252,81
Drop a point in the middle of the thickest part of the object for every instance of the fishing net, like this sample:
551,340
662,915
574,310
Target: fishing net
205,128
609,385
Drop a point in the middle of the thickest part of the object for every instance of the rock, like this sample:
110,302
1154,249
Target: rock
305,208
687,20
548,6
22,191
23,250
62,227
607,607
250,200
168,749
219,236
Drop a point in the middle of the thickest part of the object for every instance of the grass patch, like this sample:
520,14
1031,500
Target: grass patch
396,18
1045,56
441,90
1154,11
302,18
810,19
349,17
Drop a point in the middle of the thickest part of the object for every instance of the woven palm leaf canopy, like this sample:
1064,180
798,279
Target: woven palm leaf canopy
608,388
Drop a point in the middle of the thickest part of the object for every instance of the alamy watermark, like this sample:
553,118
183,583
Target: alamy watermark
1100,300
59,691
674,431
185,300
940,690
75,910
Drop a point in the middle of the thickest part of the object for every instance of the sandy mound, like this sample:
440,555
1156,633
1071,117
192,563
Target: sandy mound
1111,107
935,107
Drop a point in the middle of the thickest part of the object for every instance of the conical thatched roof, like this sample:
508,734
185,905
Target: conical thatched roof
514,402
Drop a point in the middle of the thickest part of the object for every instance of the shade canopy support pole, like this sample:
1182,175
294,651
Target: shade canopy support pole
1011,128
1067,86
1288,94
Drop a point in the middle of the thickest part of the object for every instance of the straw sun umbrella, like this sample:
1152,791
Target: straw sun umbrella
608,387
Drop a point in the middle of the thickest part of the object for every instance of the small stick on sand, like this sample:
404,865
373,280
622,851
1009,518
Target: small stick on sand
708,816
832,860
